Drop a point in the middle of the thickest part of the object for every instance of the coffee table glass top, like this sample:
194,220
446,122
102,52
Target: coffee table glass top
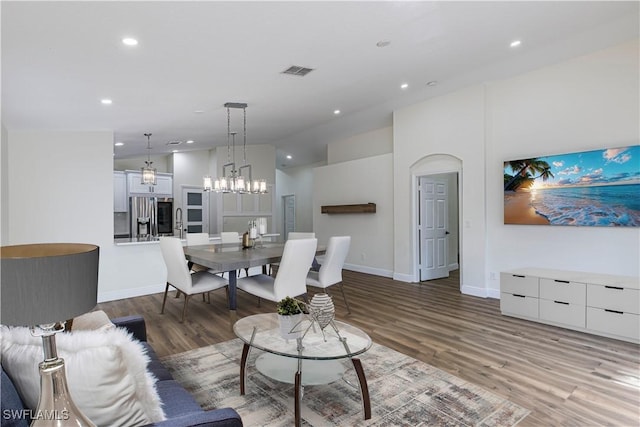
348,341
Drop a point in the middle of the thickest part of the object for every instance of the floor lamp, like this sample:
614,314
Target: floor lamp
42,286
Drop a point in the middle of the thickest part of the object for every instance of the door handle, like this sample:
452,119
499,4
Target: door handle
446,232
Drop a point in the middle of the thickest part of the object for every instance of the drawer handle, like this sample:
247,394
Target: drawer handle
518,275
617,288
613,311
561,281
561,302
519,296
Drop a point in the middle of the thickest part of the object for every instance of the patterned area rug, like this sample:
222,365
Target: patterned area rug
404,392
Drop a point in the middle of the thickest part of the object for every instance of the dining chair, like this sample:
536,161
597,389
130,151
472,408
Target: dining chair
291,277
330,272
197,239
293,235
179,276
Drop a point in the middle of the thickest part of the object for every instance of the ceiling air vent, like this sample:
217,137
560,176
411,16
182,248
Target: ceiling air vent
295,70
171,143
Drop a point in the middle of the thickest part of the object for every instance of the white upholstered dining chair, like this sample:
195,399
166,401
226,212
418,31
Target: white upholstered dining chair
179,276
293,235
291,277
197,239
330,272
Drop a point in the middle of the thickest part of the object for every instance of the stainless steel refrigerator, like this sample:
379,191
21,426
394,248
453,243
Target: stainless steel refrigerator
150,217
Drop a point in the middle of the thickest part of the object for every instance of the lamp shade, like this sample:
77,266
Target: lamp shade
47,283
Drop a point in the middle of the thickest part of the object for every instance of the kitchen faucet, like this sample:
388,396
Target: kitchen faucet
179,223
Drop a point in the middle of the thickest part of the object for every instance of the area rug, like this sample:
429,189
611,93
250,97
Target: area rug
404,392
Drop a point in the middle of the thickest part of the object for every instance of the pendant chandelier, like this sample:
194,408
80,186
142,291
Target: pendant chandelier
148,172
232,179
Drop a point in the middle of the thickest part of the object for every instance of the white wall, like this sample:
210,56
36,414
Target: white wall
582,104
358,181
452,124
297,181
4,185
587,103
188,169
373,143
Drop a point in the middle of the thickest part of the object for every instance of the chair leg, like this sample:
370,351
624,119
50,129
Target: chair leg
226,290
178,293
204,297
258,301
164,300
345,298
184,308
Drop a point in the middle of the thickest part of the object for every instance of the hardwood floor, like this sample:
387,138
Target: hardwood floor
564,377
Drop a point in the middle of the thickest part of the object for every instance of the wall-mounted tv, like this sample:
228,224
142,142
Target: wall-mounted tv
589,188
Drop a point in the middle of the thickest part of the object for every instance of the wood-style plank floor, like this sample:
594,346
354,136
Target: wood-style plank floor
564,377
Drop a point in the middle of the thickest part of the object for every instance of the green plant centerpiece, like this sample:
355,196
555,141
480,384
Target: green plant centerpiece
289,306
290,313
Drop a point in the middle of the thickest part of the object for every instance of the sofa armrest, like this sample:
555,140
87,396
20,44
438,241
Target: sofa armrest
223,417
134,324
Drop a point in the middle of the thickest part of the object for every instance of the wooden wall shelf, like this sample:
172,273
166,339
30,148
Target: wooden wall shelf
348,209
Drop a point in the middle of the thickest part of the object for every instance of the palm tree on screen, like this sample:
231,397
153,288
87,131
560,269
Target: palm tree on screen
524,169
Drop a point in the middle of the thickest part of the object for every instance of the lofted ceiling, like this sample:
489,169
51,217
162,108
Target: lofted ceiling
60,59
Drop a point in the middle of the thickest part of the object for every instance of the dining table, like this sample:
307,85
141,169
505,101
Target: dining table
231,257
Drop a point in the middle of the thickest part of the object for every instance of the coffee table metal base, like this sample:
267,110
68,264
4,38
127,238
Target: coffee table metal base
296,367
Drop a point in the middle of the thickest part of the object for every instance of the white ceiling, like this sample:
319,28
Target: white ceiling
59,59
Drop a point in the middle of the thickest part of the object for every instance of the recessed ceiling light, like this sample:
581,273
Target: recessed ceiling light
190,141
432,83
106,101
119,144
515,43
174,151
129,41
289,156
383,43
404,85
199,111
336,112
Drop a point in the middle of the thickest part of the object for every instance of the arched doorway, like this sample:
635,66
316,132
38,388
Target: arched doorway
437,209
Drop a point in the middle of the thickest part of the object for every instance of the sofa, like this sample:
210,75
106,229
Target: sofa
180,408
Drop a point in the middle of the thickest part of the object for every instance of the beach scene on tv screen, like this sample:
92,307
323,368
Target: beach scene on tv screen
589,188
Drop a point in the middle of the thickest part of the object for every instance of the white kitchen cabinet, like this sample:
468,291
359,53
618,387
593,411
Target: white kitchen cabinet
119,191
163,187
600,304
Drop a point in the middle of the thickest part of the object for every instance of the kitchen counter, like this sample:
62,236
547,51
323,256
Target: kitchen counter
126,241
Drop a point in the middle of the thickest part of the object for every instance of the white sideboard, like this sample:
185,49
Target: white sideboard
600,304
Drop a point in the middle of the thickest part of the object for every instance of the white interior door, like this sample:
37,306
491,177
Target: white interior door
195,208
289,214
433,227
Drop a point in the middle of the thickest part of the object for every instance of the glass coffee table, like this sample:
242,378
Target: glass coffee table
309,360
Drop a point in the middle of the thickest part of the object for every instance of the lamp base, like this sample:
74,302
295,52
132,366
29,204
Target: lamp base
55,407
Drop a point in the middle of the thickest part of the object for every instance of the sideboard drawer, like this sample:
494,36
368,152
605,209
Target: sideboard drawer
565,291
520,305
519,284
621,324
563,312
614,298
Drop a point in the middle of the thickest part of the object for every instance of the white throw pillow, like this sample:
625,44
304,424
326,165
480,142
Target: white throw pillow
106,374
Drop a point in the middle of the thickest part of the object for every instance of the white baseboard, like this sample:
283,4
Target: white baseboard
474,291
404,277
493,293
369,270
454,266
130,293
